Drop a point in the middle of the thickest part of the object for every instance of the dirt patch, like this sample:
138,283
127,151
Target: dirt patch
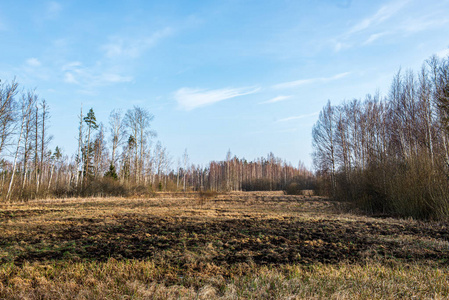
17,213
183,240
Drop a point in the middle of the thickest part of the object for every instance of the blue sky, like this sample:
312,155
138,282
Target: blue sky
249,76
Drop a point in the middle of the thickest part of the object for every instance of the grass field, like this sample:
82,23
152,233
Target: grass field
261,245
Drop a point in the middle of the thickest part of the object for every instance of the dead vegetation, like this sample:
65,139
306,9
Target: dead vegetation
235,245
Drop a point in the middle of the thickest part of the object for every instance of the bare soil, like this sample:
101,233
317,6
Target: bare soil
213,235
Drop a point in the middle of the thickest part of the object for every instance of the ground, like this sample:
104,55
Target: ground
182,246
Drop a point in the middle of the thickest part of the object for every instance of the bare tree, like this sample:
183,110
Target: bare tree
323,142
79,156
44,139
26,108
185,161
117,128
31,99
138,121
7,113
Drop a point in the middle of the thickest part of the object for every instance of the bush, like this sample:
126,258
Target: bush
407,188
299,184
262,184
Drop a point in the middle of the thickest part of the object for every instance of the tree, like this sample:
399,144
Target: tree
80,153
91,122
26,108
127,158
185,160
31,99
58,160
117,128
42,140
138,121
100,154
111,173
7,113
162,162
323,143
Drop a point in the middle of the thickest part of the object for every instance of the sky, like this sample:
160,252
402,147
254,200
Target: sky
241,75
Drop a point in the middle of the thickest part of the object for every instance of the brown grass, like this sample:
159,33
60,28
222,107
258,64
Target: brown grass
230,246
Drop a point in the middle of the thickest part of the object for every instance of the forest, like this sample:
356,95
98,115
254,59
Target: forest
117,159
389,155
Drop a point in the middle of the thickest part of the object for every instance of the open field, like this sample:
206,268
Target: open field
233,246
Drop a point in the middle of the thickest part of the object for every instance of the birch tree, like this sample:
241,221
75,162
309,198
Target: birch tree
26,108
117,131
138,123
7,113
323,143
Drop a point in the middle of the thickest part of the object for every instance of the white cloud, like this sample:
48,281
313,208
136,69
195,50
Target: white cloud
71,65
113,78
356,35
296,83
413,25
443,53
374,37
33,62
70,78
276,99
339,46
189,98
132,48
89,78
391,20
298,117
383,14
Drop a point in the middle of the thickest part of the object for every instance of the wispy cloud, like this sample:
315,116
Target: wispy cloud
375,36
112,66
301,82
298,117
33,69
340,45
382,15
396,19
407,27
70,78
188,98
422,23
71,65
443,53
371,26
133,47
33,62
76,73
276,99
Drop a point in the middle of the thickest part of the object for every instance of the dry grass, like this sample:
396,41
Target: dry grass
257,245
139,280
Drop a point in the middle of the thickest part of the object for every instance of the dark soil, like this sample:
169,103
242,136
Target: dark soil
192,241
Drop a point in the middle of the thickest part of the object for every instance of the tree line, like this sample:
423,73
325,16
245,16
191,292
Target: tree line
120,158
390,155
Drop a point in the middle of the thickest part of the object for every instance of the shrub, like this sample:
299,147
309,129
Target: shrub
261,184
299,184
